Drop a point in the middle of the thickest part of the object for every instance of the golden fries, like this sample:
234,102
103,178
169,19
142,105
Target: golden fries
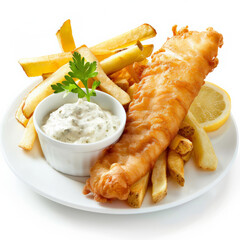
122,74
186,130
181,145
176,167
124,58
121,59
140,33
65,37
146,52
123,84
138,191
187,156
159,178
204,154
20,116
137,69
44,89
46,64
102,54
133,73
29,136
131,90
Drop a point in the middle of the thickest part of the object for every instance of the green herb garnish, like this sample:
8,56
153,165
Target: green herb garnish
82,71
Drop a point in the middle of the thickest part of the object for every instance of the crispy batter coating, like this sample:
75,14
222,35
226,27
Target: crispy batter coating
169,85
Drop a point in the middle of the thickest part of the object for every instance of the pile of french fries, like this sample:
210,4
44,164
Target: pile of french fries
191,140
115,57
120,62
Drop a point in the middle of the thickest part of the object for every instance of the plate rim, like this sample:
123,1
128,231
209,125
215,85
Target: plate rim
113,211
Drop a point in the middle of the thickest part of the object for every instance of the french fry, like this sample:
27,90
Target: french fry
124,58
46,64
44,88
133,73
136,70
20,116
29,136
65,37
187,156
102,54
138,191
143,32
204,154
122,74
159,178
121,59
181,145
176,167
123,84
143,62
146,52
186,130
131,90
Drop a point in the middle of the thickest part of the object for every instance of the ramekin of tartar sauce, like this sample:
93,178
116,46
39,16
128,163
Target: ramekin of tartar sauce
73,133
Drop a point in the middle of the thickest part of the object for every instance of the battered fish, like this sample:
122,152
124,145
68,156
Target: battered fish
168,86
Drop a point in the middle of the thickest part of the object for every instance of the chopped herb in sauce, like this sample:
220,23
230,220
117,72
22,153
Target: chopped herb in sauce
80,122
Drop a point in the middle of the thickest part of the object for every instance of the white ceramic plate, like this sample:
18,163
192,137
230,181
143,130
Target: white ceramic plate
32,169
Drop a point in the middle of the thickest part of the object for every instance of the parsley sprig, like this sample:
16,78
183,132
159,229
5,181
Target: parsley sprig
82,71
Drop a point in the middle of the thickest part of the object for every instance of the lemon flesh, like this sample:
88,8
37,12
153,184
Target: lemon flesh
211,107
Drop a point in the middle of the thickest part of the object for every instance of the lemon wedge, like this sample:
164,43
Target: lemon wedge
211,107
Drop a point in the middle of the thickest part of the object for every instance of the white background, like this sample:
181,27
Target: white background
28,29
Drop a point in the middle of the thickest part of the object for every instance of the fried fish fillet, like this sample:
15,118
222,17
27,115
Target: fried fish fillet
167,88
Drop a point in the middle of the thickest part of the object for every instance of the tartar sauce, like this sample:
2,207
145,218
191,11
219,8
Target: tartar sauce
80,122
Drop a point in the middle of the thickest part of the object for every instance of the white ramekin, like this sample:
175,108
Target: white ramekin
69,158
